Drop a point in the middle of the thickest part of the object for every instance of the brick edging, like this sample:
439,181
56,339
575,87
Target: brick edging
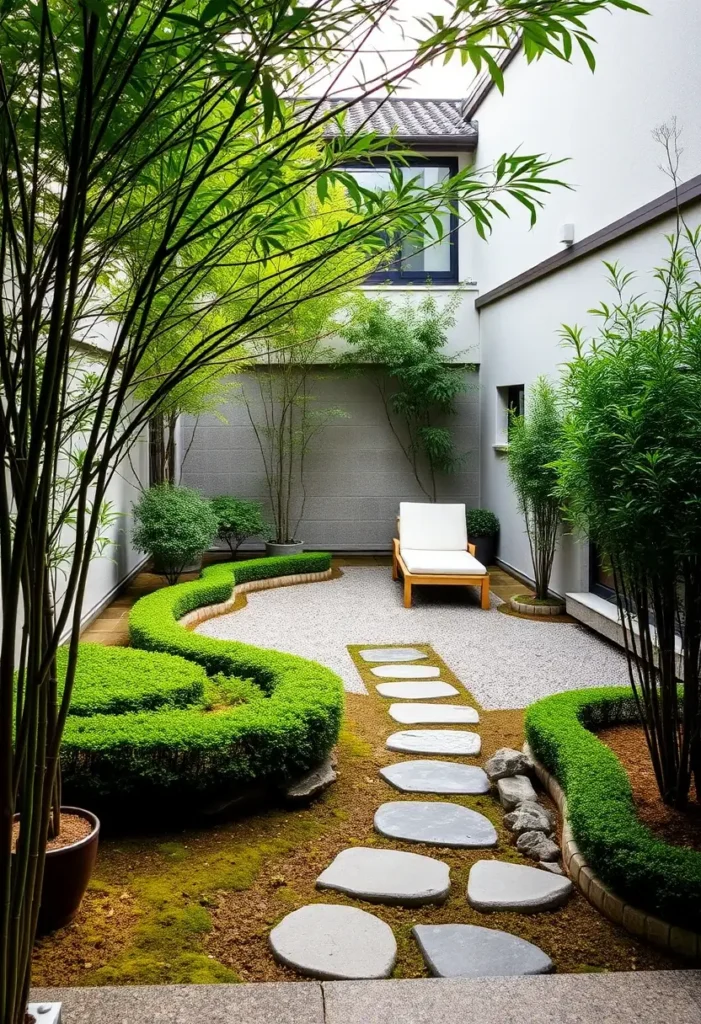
637,922
211,611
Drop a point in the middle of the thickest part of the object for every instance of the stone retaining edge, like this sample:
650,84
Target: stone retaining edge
211,611
637,922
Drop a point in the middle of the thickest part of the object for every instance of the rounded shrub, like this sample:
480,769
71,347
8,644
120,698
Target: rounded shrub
174,525
238,520
481,523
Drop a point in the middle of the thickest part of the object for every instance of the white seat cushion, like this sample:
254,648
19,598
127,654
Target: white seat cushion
457,563
427,527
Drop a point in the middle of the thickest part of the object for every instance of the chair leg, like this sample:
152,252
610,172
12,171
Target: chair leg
395,567
485,593
407,593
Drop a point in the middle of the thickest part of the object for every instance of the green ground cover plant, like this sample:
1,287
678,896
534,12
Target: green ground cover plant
653,875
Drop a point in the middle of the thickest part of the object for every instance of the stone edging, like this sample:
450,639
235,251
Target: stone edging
211,611
534,610
637,922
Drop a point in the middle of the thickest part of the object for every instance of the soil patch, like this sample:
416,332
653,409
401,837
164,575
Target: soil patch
681,828
73,829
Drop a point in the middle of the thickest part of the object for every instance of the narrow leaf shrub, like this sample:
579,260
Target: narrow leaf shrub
175,525
652,875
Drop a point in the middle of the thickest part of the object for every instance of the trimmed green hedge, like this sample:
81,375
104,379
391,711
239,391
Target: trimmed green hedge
263,716
653,875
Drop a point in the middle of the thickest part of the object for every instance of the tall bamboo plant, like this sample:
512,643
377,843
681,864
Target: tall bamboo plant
158,127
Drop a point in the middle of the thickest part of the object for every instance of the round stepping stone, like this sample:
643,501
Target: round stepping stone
328,941
468,951
439,714
498,885
435,741
387,876
435,777
392,654
435,823
416,691
406,671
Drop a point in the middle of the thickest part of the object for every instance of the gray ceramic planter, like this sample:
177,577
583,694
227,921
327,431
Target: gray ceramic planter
272,548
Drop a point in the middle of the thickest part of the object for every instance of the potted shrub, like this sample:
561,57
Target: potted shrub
238,520
483,531
175,525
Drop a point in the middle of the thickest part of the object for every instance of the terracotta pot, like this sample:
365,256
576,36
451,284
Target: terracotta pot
66,875
272,548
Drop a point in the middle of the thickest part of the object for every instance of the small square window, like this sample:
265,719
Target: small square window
510,403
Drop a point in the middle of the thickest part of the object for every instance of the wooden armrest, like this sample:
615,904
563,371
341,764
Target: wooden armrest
471,548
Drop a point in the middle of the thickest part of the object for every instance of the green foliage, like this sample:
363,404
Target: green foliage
481,523
404,348
262,717
647,872
238,520
175,525
535,442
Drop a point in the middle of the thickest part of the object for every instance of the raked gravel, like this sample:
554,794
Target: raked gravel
505,661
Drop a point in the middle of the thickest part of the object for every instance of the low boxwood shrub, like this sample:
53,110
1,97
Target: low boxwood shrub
174,525
261,717
653,875
481,523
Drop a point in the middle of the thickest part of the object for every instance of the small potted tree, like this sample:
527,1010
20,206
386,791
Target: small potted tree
175,525
483,531
535,443
238,520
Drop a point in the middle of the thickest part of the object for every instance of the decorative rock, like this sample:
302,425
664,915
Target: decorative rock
529,817
507,762
514,791
438,714
435,777
311,784
328,941
435,741
416,691
434,823
392,654
468,951
406,671
498,885
552,866
387,876
538,846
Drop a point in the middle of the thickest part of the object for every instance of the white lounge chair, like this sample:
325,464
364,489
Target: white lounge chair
432,548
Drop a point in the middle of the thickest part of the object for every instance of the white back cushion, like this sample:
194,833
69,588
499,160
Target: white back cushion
430,527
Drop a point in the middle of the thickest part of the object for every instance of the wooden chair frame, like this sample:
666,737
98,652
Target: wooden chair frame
437,579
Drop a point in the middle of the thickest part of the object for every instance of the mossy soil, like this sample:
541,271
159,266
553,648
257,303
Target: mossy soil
197,906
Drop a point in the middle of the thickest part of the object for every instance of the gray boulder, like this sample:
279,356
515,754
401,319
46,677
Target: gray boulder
514,791
529,817
304,790
507,762
552,866
538,846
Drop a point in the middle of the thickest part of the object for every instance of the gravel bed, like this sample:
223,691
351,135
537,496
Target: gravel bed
504,661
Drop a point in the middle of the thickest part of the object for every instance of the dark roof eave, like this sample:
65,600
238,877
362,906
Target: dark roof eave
456,143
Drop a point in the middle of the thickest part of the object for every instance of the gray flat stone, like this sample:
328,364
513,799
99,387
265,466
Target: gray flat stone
498,885
328,941
468,951
436,823
435,777
551,865
416,691
506,762
538,846
529,817
387,876
435,741
392,654
438,714
515,790
406,671
311,784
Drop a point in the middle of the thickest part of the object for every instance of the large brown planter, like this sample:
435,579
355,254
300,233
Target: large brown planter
66,875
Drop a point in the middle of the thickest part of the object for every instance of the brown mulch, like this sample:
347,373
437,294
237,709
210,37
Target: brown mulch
682,828
73,829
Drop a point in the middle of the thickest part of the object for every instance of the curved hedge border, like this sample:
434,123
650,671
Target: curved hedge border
203,750
655,876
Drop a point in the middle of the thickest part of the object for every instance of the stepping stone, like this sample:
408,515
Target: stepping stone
435,823
392,654
498,885
435,777
387,876
506,762
416,691
435,741
328,941
406,671
514,791
468,951
440,714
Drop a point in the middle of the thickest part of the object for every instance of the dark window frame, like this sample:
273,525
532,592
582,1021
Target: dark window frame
394,274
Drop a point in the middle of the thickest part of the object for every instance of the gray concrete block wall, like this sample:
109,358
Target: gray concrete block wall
356,474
